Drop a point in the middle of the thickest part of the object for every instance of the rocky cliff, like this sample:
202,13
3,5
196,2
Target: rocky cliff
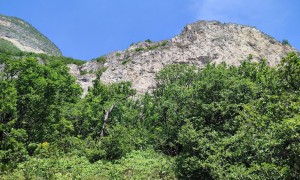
198,44
25,37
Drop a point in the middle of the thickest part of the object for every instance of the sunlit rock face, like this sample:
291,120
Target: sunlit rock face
198,44
25,37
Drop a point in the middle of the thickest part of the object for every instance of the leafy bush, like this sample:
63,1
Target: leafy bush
285,42
137,165
126,61
67,60
122,140
164,43
101,59
148,41
139,49
10,55
84,72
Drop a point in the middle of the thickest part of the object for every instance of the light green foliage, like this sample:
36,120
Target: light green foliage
219,122
290,70
8,101
7,46
136,165
146,164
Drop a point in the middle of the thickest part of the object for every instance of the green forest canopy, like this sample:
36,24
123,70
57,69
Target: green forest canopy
220,122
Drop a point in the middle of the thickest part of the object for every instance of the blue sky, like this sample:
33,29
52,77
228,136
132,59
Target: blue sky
86,29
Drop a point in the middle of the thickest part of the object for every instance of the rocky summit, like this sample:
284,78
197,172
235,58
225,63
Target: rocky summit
23,36
198,44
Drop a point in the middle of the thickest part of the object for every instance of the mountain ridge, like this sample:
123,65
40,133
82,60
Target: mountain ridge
199,43
26,37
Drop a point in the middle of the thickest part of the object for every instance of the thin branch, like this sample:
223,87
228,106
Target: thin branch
107,114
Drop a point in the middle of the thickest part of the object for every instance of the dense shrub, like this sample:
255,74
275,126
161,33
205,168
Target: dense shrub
219,122
135,165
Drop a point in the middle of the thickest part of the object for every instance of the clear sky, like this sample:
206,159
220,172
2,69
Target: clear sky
86,29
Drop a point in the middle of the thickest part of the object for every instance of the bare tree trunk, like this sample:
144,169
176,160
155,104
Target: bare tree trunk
107,114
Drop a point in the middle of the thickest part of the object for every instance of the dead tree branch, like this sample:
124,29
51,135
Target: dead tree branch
108,112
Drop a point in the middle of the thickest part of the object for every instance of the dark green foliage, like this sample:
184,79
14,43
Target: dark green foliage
126,61
67,60
100,71
44,91
36,97
123,139
101,59
229,122
139,49
92,109
164,43
8,55
8,101
219,122
84,72
152,47
285,42
290,70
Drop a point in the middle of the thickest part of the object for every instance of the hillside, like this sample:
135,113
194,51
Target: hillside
199,43
203,119
22,36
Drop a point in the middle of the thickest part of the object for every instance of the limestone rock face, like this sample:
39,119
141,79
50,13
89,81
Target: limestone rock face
25,37
84,80
198,44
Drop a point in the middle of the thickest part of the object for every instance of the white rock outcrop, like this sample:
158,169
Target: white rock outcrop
198,44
